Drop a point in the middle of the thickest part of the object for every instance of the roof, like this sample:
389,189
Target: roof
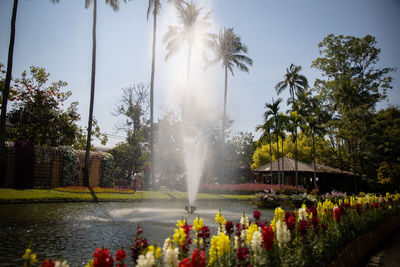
289,166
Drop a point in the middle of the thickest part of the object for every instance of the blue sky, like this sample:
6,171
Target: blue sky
277,33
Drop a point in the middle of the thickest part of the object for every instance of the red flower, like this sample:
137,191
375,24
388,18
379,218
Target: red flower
103,258
375,205
358,208
268,237
324,226
314,211
290,220
303,227
204,232
256,215
48,263
185,263
198,258
229,227
315,223
120,256
242,254
336,213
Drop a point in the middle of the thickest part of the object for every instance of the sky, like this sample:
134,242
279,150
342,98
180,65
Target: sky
276,32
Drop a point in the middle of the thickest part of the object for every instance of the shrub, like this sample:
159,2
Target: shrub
70,169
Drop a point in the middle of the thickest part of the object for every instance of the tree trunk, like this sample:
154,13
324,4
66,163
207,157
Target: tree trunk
6,92
224,121
283,164
277,152
315,167
225,97
295,147
270,155
153,58
92,87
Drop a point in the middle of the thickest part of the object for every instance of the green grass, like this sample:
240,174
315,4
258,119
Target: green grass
45,195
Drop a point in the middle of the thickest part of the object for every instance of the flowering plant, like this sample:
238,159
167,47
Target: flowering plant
308,236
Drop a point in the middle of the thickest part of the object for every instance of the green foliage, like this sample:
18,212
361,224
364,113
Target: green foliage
70,171
37,113
389,173
108,170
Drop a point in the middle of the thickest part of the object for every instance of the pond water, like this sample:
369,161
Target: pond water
74,230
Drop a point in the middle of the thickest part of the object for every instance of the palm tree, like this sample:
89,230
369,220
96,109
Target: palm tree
283,121
6,92
115,5
267,128
154,6
273,113
296,83
191,26
230,50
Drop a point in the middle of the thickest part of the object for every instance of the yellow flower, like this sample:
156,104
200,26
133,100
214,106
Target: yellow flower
90,263
198,224
220,245
29,257
252,228
279,214
219,218
181,223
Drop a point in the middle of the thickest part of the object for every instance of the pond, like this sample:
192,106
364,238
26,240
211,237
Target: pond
74,230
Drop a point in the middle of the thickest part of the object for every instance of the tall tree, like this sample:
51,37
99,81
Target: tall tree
272,112
115,5
267,128
154,7
351,87
296,83
230,51
6,91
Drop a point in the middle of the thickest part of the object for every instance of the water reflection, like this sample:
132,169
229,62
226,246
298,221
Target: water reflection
74,230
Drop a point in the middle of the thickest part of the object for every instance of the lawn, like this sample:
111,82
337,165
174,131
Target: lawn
46,195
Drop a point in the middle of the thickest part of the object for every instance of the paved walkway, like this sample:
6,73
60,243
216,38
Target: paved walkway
388,253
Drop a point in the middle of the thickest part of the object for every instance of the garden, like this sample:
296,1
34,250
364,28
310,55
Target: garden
311,235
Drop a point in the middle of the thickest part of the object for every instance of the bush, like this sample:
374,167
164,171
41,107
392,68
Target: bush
70,170
108,170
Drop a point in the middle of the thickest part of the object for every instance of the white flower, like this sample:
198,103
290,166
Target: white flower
147,261
303,214
171,257
244,220
282,232
256,242
243,235
167,244
61,264
236,239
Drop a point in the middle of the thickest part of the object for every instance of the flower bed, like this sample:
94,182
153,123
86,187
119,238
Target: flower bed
269,198
309,236
248,189
86,190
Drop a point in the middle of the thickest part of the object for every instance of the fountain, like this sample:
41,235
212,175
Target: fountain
193,96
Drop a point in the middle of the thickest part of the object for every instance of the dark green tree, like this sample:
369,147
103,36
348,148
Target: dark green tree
37,114
297,83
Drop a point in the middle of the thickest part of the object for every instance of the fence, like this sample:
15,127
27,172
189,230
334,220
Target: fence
28,166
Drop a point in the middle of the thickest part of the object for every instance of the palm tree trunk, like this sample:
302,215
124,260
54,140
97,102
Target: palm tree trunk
225,97
153,58
224,122
295,147
277,152
270,156
184,100
6,92
92,87
315,167
283,164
